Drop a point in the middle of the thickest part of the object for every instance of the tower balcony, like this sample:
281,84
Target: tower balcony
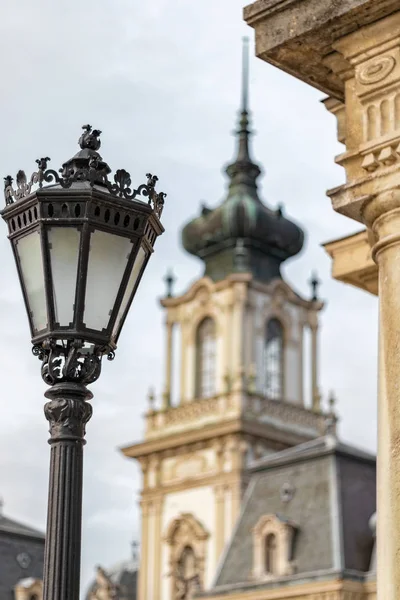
250,409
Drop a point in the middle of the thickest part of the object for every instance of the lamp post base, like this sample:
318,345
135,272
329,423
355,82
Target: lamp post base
68,411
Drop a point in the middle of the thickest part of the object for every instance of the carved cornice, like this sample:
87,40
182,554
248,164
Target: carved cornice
335,588
250,423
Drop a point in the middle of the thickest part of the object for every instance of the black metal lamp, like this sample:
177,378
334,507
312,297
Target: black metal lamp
81,245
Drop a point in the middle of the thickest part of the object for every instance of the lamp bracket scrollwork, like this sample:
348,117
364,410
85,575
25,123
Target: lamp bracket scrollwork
70,362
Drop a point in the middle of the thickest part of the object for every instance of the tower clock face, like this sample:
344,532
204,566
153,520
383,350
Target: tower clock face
24,560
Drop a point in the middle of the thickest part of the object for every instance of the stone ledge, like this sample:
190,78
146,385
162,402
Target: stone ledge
352,262
297,35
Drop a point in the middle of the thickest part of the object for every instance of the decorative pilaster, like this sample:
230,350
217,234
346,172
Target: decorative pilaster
219,491
142,585
238,336
316,397
235,488
157,514
183,361
67,412
301,362
168,366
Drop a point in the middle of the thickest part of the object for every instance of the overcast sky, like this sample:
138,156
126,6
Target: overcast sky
161,79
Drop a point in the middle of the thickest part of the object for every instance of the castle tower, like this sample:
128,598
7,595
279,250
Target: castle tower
241,382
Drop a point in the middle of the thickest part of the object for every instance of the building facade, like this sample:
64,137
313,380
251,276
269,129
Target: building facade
246,490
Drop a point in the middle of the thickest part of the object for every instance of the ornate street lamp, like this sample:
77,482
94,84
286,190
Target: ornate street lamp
81,245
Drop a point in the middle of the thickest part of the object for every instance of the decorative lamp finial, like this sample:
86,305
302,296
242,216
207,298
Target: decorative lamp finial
90,138
170,280
87,165
135,547
331,418
245,74
243,170
332,402
314,283
151,397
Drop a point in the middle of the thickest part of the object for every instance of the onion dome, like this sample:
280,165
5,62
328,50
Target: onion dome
242,234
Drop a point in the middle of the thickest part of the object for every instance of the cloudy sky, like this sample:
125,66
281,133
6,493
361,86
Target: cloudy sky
161,80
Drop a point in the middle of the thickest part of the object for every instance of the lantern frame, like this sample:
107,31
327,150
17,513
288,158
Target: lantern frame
82,198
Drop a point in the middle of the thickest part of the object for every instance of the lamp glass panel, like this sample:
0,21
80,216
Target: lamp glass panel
29,251
108,257
64,254
130,288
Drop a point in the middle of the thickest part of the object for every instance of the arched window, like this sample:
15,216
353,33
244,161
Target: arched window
187,563
273,360
270,554
205,358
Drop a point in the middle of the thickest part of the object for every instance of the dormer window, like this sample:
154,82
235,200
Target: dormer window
206,359
273,359
270,548
273,547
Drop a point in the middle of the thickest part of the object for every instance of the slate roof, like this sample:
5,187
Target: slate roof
124,575
18,541
334,497
11,526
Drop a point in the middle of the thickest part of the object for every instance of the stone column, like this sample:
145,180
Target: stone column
316,398
301,361
372,195
183,361
238,339
383,215
168,366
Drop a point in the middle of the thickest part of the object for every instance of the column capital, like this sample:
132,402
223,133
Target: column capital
379,205
382,215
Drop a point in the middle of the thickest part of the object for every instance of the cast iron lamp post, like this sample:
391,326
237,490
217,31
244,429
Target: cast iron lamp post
81,245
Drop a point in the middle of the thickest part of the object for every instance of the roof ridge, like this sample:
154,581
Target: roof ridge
297,450
9,525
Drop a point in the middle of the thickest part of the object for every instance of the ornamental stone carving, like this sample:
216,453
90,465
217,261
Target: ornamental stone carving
376,70
186,538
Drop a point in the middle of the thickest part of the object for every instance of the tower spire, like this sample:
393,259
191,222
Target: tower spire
244,131
243,170
245,74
